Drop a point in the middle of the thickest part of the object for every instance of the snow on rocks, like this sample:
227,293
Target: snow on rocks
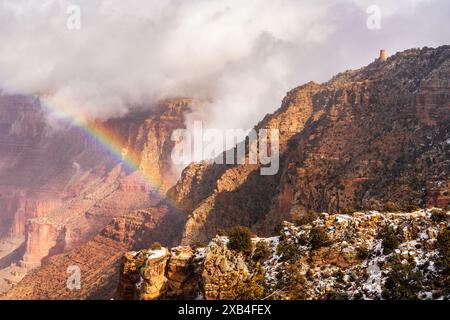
352,257
355,263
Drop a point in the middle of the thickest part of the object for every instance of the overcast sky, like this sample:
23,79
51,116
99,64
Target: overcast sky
242,55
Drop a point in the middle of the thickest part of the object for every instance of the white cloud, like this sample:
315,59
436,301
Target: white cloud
243,55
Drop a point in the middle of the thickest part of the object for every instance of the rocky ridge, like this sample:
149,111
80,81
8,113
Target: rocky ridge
365,138
356,260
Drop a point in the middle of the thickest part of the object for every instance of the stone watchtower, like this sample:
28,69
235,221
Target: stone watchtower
383,56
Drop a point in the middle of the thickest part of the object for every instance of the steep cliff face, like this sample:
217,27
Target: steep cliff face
28,209
366,137
60,187
153,274
368,255
99,258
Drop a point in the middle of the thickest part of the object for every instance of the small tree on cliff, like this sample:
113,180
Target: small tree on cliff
318,237
262,252
403,282
443,259
240,239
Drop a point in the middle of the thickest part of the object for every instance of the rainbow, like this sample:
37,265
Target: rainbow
106,138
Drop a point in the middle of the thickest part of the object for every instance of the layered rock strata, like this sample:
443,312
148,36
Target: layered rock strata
365,138
365,255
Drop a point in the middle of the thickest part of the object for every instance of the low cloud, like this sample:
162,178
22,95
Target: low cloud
241,55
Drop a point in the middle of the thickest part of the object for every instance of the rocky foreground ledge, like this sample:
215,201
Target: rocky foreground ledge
368,255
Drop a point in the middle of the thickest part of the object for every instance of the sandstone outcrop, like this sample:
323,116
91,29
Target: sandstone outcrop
158,274
144,270
181,273
351,262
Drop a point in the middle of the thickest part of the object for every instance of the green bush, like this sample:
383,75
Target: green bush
255,286
292,282
241,287
443,246
287,250
240,239
318,237
262,252
362,253
302,239
403,282
438,215
442,261
156,246
390,243
443,243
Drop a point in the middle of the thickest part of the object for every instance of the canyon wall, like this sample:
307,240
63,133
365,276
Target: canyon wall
365,138
99,258
373,138
366,255
60,187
